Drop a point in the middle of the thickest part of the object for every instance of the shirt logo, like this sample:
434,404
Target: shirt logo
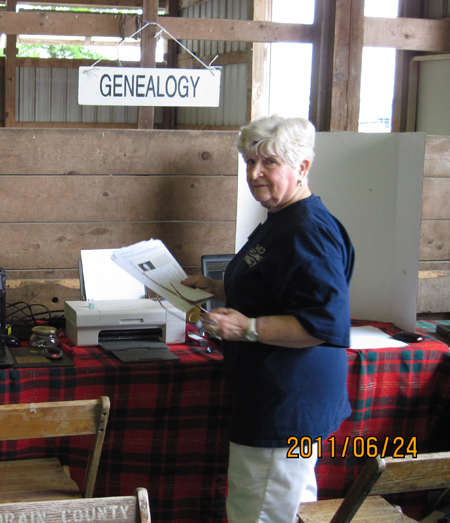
254,255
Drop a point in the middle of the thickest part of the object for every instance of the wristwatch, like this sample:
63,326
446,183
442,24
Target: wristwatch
251,334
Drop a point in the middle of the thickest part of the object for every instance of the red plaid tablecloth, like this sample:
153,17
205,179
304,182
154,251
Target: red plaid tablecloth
167,429
399,393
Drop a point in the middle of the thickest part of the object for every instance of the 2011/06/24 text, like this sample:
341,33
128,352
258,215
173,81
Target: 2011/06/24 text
361,447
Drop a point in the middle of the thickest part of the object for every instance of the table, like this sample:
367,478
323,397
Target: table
167,430
168,425
395,393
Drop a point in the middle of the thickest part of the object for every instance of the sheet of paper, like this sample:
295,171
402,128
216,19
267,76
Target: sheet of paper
151,263
105,280
368,337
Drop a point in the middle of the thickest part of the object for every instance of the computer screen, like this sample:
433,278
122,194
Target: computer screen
213,266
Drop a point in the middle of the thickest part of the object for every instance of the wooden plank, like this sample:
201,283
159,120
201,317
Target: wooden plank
442,265
432,293
26,286
76,151
48,293
434,240
48,419
411,106
73,24
436,198
322,66
412,474
76,125
52,246
347,65
118,509
118,198
239,30
402,103
186,61
258,66
408,34
437,156
83,24
373,509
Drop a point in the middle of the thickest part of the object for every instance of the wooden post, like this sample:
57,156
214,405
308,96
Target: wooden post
349,38
322,65
170,62
258,70
148,56
401,110
10,74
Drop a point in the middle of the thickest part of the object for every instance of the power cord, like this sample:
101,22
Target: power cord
22,317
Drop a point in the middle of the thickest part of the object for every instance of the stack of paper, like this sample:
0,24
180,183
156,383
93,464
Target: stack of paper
151,263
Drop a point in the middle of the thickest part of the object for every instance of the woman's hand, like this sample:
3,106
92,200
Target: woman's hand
229,324
200,282
282,331
214,287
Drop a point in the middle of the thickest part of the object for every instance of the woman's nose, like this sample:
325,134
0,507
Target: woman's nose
256,170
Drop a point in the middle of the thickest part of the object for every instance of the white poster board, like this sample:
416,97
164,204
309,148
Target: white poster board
373,184
139,86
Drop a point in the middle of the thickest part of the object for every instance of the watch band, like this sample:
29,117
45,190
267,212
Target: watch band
251,334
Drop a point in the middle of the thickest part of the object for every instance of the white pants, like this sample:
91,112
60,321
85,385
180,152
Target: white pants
264,486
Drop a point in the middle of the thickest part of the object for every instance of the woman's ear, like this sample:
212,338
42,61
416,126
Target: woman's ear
304,167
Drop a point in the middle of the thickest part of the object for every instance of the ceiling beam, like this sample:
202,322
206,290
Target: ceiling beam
400,33
101,24
408,34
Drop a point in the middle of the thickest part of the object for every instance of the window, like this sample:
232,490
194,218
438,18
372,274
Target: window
290,63
377,76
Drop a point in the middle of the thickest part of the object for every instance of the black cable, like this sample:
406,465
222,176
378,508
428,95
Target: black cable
22,317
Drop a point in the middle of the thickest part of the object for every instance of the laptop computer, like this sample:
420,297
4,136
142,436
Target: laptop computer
214,266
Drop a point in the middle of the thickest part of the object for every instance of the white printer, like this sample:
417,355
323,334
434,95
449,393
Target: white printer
113,306
90,322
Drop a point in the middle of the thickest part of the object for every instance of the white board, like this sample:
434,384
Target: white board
373,184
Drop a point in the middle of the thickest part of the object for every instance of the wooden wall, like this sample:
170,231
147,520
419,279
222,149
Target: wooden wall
62,191
434,266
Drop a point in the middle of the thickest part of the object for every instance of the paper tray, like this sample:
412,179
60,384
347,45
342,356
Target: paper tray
138,351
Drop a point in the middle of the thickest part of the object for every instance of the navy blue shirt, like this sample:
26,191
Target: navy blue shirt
298,262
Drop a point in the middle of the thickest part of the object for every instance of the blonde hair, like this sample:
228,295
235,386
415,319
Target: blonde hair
291,139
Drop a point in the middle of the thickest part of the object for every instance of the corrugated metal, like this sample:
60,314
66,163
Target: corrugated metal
47,94
233,95
233,102
51,94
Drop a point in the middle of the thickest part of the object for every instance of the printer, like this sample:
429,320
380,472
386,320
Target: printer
91,322
114,306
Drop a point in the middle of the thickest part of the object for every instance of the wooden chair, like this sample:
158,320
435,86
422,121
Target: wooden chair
378,477
46,479
120,509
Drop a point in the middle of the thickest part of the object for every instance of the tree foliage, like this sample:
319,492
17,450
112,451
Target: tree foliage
56,51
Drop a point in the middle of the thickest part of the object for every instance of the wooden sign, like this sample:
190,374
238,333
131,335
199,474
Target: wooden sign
136,86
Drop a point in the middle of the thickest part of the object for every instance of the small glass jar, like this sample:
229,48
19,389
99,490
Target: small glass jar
43,336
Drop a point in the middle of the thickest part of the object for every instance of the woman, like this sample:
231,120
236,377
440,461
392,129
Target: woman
284,328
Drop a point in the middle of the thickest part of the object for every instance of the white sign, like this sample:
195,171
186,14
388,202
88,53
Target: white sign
153,87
